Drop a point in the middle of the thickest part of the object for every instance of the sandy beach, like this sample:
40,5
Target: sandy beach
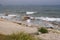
8,27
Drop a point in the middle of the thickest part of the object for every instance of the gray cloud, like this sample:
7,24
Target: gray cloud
21,2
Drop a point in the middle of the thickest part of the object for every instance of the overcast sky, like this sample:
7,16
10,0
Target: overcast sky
33,2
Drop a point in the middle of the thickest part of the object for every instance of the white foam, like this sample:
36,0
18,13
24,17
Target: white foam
8,17
30,12
12,15
48,19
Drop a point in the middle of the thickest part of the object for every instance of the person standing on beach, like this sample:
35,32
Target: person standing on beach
28,22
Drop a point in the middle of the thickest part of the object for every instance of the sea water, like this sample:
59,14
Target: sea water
43,12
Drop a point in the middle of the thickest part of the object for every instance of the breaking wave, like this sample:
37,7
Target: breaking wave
48,18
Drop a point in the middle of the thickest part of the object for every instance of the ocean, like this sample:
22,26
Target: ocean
42,11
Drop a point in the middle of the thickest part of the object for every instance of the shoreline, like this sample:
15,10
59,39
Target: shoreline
42,23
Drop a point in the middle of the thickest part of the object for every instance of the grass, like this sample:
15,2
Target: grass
18,36
43,30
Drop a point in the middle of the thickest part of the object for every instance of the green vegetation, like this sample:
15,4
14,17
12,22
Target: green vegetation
18,36
43,30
